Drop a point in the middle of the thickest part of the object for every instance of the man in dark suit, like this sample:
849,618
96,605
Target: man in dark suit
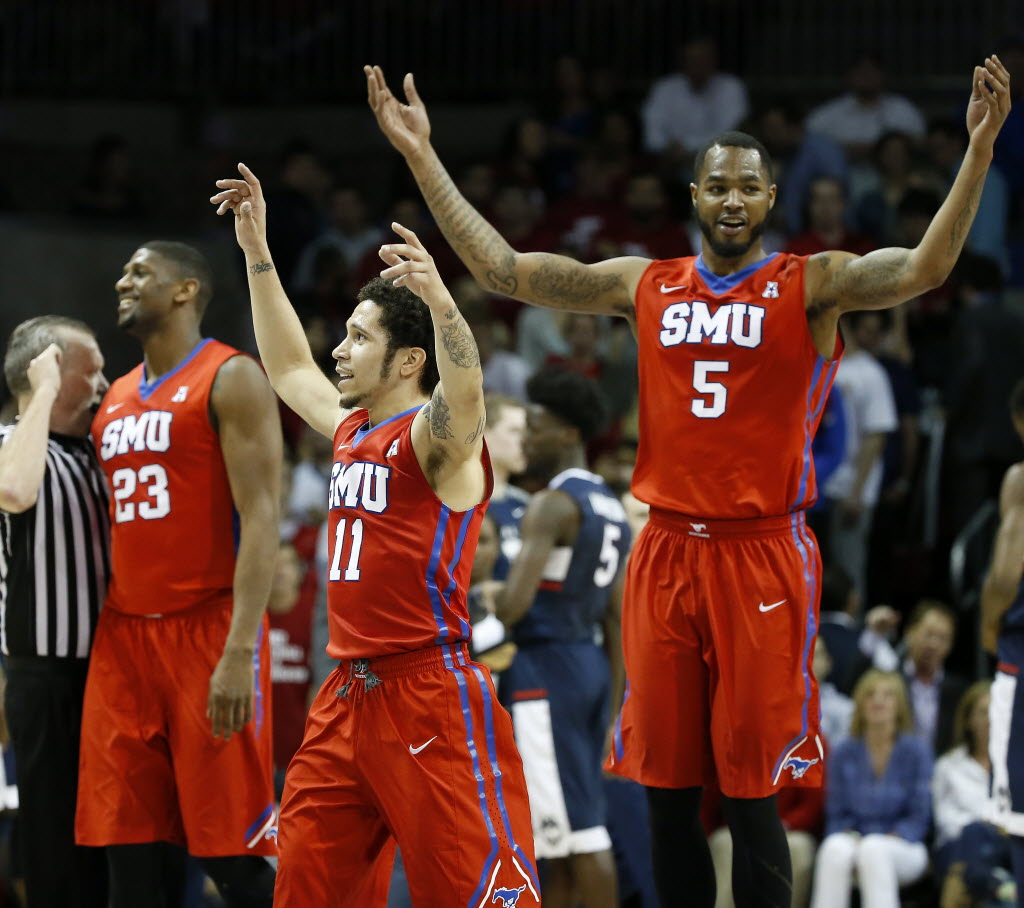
920,659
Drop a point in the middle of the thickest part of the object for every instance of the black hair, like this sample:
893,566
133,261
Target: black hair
836,587
406,320
191,264
919,202
573,398
1017,399
978,271
733,139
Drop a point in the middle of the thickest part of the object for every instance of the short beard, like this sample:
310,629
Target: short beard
350,403
726,249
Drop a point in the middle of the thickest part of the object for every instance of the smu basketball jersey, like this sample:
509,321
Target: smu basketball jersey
576,584
731,389
399,559
172,518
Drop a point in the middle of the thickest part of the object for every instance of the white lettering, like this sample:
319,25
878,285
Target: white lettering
751,336
673,321
704,324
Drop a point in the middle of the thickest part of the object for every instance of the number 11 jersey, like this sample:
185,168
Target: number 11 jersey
172,519
732,389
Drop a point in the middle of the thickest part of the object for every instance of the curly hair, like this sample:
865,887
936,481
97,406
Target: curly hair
406,320
575,399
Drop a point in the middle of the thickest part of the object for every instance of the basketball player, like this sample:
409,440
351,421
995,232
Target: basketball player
738,350
176,737
558,595
1002,632
405,741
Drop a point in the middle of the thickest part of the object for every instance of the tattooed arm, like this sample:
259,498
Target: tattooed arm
449,435
554,281
884,278
284,350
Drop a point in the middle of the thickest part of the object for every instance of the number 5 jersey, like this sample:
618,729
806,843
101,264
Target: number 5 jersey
173,523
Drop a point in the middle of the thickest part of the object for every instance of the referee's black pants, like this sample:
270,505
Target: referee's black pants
43,703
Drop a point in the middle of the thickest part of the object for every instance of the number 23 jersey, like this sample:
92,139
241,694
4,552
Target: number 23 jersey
732,389
172,517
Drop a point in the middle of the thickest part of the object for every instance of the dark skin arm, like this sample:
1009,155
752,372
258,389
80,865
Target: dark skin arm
613,647
554,281
552,519
1004,573
839,282
245,415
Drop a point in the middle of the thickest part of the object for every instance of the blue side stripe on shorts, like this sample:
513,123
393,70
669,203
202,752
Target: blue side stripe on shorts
453,566
432,591
467,718
260,820
492,755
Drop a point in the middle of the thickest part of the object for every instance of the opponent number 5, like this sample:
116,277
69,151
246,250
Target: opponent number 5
716,407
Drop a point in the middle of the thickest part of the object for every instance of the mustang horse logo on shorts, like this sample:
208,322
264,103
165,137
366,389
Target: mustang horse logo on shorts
798,767
509,897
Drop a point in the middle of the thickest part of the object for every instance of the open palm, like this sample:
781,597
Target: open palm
406,125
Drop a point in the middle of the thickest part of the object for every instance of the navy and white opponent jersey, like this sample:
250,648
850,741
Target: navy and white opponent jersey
1010,649
507,512
576,585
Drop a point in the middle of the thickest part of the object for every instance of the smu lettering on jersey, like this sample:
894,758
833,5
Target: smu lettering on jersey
731,389
576,584
172,518
507,513
399,559
1010,646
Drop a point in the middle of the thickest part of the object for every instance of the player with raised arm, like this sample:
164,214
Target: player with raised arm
405,741
738,350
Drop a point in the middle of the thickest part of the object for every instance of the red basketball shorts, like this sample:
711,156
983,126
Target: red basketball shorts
412,748
150,768
718,629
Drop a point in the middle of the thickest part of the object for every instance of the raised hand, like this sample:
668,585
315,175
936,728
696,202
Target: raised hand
244,199
990,102
406,125
44,370
413,267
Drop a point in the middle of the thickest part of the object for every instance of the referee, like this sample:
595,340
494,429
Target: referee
54,562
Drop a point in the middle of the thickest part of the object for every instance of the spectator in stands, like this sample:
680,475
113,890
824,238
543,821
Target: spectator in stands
476,183
985,362
839,625
570,117
618,142
861,116
580,216
297,201
971,857
526,160
801,158
920,660
348,231
108,189
646,226
877,802
855,485
946,147
896,169
329,293
687,108
504,371
826,221
836,707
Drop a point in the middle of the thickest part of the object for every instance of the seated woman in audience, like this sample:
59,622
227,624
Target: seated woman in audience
877,801
972,858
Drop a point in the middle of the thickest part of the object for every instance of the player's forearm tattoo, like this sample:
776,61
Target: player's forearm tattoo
440,417
476,433
569,285
459,344
468,232
966,217
260,267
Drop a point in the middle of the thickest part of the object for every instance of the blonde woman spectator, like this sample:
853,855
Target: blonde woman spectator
877,801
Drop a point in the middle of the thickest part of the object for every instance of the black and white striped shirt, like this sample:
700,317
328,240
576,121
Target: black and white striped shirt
55,557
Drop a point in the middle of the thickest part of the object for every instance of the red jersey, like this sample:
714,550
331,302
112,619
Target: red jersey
172,518
731,389
399,559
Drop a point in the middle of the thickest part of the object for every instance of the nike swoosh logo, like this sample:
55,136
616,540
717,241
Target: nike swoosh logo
342,446
114,407
416,750
768,608
665,289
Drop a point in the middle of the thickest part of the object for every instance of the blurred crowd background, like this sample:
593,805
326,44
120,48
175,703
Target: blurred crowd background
571,124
